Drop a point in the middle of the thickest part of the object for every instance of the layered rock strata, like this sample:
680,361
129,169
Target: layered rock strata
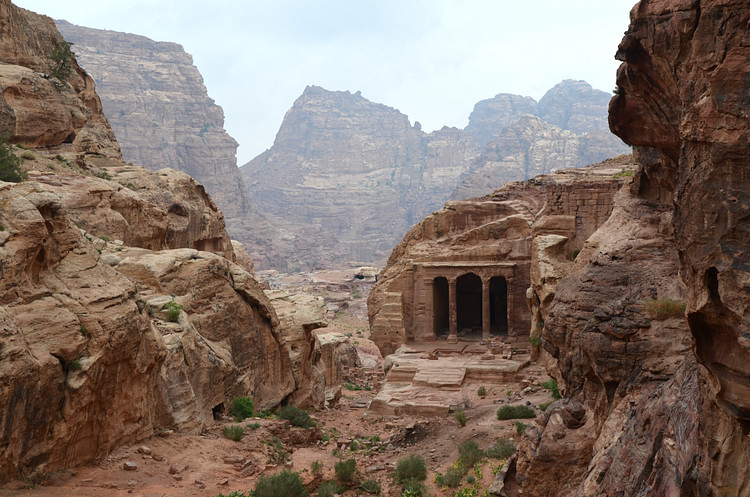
352,176
465,269
656,403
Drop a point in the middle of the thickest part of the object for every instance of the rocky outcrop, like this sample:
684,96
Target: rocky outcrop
101,342
352,176
656,403
39,110
163,117
491,239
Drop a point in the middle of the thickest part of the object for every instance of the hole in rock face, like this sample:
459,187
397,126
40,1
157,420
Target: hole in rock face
499,305
440,306
469,303
712,284
218,411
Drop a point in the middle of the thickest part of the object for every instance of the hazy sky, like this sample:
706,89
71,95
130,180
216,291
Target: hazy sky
431,59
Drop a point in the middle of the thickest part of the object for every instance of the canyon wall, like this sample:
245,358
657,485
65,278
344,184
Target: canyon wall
121,309
162,115
350,176
646,332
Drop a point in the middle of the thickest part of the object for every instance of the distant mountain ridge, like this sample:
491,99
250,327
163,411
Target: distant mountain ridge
351,176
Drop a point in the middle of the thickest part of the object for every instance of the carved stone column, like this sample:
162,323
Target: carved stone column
452,317
486,323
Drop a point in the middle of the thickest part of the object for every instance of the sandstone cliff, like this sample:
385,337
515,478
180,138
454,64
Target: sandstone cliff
39,110
351,176
162,115
656,402
120,307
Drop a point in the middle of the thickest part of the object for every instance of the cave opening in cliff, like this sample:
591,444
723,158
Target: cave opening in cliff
469,304
441,307
499,306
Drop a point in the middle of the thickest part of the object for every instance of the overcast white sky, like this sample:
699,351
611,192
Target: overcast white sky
431,59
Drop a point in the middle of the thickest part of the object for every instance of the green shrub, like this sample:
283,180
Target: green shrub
28,155
234,432
74,365
354,446
329,489
235,493
482,391
520,427
242,408
316,467
515,412
413,488
60,64
453,476
10,165
370,487
664,309
277,453
501,449
84,331
173,311
544,405
284,484
253,426
346,471
105,238
411,467
297,417
469,453
551,385
461,417
352,386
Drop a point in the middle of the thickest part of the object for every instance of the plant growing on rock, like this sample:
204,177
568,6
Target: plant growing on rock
551,385
277,453
520,427
346,471
501,449
284,484
10,165
482,391
60,63
410,467
370,487
173,311
662,309
469,453
329,489
515,412
461,417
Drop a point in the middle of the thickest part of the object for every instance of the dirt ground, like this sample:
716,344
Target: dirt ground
207,464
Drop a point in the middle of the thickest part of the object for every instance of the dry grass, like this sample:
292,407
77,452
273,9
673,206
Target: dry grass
661,309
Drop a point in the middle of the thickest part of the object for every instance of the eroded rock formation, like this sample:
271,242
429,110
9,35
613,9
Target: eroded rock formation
472,259
659,405
39,110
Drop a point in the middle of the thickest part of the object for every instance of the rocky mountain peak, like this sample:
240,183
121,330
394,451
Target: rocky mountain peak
576,106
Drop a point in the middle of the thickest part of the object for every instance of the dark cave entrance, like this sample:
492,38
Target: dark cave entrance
469,304
498,306
440,307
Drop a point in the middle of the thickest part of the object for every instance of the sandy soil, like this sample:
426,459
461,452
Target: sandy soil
207,464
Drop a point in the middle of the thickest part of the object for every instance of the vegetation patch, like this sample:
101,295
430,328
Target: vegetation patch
173,311
284,484
346,471
60,64
482,391
501,449
520,427
10,165
370,487
234,432
461,417
297,417
469,453
515,412
277,453
551,385
329,489
662,309
242,408
411,467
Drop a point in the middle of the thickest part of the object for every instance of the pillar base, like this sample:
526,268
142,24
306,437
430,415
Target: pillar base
452,339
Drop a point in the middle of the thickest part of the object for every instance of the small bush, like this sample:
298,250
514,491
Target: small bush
329,489
515,412
346,471
60,64
10,165
235,493
352,386
74,365
84,331
461,417
284,484
253,426
297,417
520,427
413,488
664,309
354,446
242,408
370,487
28,155
551,385
105,238
234,432
411,467
316,467
277,453
469,453
452,477
482,391
173,311
544,405
501,449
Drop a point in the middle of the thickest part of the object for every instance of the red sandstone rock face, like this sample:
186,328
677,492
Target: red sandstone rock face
41,111
666,402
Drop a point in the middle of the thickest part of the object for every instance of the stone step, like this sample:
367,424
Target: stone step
440,377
